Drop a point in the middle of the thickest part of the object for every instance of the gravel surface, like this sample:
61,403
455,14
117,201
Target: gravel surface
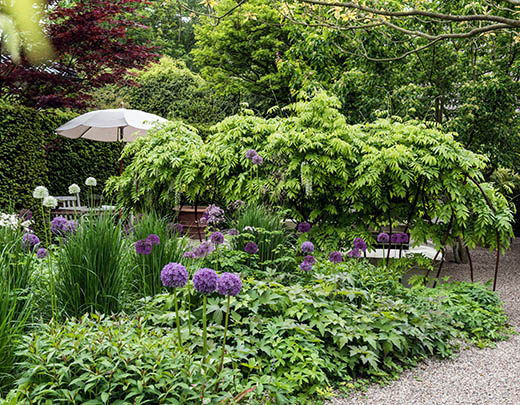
489,376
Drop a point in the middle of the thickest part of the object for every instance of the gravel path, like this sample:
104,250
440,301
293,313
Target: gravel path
475,376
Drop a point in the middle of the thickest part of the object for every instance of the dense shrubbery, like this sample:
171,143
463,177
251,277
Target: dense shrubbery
320,168
32,154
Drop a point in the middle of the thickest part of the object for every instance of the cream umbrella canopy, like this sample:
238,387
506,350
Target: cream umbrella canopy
113,125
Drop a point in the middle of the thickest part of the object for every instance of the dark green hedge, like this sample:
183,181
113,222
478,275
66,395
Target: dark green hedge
32,154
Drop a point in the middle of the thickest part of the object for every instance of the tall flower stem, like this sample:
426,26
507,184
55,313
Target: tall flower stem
204,331
189,309
177,318
224,339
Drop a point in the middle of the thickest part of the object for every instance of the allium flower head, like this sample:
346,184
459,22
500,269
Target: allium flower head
71,226
176,228
249,229
143,247
40,192
335,257
25,214
41,253
74,189
405,238
205,281
309,259
189,255
204,249
305,266
174,275
91,181
383,237
217,238
395,238
229,284
153,239
29,241
50,202
354,253
251,153
59,225
304,227
257,160
307,247
251,248
213,215
233,232
360,244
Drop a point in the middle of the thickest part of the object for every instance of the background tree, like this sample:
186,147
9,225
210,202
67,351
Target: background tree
91,47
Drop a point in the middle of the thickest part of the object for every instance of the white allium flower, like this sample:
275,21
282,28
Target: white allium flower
50,202
74,189
91,181
40,192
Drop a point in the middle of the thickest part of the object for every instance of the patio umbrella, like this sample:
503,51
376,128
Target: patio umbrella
114,125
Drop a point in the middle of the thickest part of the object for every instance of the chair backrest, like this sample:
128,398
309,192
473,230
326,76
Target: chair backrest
67,206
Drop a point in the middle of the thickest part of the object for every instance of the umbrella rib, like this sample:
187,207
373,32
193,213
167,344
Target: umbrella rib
84,132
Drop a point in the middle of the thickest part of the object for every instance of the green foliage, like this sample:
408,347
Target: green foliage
89,270
169,89
148,182
144,276
15,300
101,360
241,52
31,154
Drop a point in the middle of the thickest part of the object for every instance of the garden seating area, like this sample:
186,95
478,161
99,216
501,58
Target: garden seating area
259,202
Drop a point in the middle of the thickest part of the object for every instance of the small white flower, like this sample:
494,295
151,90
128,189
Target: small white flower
40,192
91,181
50,202
74,189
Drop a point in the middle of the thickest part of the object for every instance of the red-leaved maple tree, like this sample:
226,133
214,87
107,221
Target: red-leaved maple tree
92,49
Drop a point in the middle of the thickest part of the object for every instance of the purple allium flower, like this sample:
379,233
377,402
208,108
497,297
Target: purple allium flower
354,253
174,275
71,226
251,248
213,215
395,238
229,284
307,247
41,253
235,205
153,239
143,247
405,238
233,232
59,225
335,257
309,259
383,237
360,244
29,241
205,281
189,255
251,153
305,266
177,228
217,238
25,214
257,160
304,227
204,249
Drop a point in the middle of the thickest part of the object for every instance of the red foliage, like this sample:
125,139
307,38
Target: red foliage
91,49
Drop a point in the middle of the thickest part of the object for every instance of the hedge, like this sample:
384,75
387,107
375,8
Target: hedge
32,154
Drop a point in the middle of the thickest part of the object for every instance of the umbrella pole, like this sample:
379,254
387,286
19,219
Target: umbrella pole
120,140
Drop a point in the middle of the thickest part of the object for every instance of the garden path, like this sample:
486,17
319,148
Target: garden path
489,376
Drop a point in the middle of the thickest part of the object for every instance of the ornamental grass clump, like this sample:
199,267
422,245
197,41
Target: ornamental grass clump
175,275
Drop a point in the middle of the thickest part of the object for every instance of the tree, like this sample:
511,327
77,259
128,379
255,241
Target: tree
432,21
91,47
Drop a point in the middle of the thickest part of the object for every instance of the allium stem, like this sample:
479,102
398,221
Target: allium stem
219,369
177,318
204,327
